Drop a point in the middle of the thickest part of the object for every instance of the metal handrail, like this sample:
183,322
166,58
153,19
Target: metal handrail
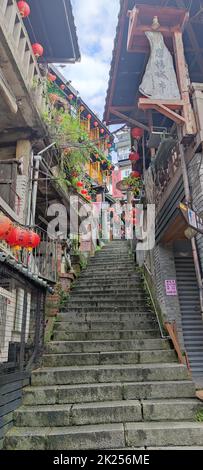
164,336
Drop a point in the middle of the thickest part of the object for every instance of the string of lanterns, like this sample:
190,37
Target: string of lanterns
17,237
25,11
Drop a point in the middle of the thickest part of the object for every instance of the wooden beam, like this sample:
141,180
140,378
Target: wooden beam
125,118
193,40
172,104
162,108
8,96
189,127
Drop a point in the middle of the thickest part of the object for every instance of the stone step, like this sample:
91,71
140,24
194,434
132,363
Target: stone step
80,296
105,310
101,335
161,434
78,414
58,394
64,347
108,290
115,357
106,436
171,409
108,373
105,325
115,316
97,436
103,303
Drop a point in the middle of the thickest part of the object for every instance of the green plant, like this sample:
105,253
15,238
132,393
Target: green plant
199,416
132,183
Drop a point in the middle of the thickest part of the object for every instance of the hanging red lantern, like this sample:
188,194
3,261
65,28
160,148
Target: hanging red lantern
108,145
38,50
137,133
79,184
62,87
33,240
88,197
5,226
24,9
51,77
96,124
89,116
84,191
135,174
18,237
82,109
70,97
102,131
134,157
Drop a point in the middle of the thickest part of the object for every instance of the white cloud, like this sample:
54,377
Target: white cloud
96,22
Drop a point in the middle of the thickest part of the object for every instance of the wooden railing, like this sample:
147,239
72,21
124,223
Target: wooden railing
17,39
165,178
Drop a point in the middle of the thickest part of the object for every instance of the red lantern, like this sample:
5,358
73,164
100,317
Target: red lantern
88,197
62,87
79,184
51,77
84,191
135,174
18,237
82,109
96,124
37,50
89,116
70,97
108,146
134,156
102,131
137,133
24,9
33,240
5,227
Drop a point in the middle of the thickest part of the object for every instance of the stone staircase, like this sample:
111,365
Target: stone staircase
108,380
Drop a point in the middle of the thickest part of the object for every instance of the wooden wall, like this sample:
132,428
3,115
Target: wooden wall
11,386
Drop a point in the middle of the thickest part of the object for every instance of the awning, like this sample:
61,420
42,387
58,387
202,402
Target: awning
51,23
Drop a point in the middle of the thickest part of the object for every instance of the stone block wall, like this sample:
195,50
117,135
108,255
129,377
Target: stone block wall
161,264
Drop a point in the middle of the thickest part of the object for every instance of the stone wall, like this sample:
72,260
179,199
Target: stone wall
161,263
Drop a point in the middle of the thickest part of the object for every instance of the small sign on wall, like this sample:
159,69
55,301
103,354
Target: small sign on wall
171,287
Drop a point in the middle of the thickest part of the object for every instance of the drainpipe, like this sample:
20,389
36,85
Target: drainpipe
37,159
188,200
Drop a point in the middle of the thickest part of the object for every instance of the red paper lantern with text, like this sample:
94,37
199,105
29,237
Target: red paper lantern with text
134,157
38,50
24,9
137,133
5,226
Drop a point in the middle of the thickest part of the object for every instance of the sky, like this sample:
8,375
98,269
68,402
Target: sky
96,22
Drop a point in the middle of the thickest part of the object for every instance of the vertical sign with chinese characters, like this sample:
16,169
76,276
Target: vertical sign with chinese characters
171,287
